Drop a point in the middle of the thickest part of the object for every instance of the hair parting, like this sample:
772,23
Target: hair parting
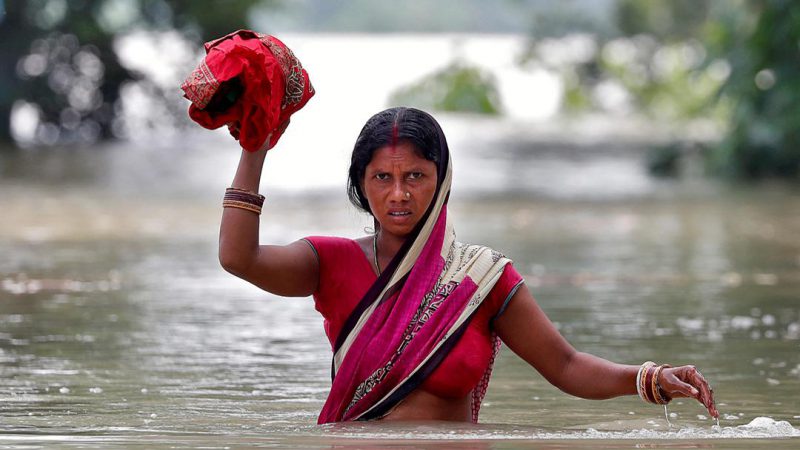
390,128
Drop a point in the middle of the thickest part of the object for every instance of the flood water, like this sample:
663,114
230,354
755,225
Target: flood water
119,329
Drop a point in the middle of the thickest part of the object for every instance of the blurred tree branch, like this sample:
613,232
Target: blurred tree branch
58,59
457,87
736,62
763,49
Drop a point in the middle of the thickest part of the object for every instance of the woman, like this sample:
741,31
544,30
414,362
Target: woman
413,316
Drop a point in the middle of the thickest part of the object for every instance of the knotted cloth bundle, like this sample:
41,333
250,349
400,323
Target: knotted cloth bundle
251,82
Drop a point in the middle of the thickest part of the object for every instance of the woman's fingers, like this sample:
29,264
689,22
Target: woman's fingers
687,381
706,394
673,383
233,128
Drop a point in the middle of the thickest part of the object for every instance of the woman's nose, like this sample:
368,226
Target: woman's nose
399,191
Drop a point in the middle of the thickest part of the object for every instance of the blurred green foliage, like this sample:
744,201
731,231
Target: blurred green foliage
667,81
440,16
762,45
457,87
58,55
736,62
667,21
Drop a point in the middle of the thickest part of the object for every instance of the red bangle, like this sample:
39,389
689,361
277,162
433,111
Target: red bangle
648,386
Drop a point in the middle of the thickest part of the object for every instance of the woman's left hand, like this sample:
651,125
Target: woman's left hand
686,381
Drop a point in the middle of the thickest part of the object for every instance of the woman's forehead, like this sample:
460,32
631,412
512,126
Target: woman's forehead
402,153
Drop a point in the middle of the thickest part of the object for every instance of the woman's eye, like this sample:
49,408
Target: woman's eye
382,176
415,175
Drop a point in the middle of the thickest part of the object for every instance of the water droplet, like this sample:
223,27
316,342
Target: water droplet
144,391
766,279
64,390
765,79
731,279
743,322
96,390
153,416
793,330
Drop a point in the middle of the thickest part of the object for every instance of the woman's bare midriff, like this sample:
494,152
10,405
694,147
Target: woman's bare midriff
421,405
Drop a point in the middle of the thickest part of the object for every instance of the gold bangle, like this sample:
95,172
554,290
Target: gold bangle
641,377
241,205
243,199
662,398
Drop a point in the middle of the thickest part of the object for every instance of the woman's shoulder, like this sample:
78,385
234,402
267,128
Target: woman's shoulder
333,243
507,283
335,246
328,240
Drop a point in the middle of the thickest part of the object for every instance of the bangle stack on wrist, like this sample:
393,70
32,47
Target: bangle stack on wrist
647,383
243,199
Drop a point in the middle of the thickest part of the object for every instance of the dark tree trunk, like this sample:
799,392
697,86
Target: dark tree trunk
14,34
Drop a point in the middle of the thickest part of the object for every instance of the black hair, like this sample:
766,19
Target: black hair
389,127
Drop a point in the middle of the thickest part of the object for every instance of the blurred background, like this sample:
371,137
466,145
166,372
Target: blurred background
637,159
78,73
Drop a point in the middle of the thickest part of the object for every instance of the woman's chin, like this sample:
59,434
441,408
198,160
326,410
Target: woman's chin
398,225
398,231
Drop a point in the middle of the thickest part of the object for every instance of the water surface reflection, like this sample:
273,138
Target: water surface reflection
118,326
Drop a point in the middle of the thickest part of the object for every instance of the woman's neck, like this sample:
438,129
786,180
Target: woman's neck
387,246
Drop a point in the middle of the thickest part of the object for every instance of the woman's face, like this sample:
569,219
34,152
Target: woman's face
399,184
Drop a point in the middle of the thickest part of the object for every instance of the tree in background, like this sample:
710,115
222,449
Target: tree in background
57,58
658,57
457,87
762,46
734,61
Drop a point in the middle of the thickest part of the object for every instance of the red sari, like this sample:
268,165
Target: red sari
346,275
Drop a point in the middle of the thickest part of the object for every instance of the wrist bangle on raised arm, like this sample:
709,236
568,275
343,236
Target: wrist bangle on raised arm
243,199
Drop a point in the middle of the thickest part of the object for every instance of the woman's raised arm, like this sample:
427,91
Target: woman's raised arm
529,333
288,270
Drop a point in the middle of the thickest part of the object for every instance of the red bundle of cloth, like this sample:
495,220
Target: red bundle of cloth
250,82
